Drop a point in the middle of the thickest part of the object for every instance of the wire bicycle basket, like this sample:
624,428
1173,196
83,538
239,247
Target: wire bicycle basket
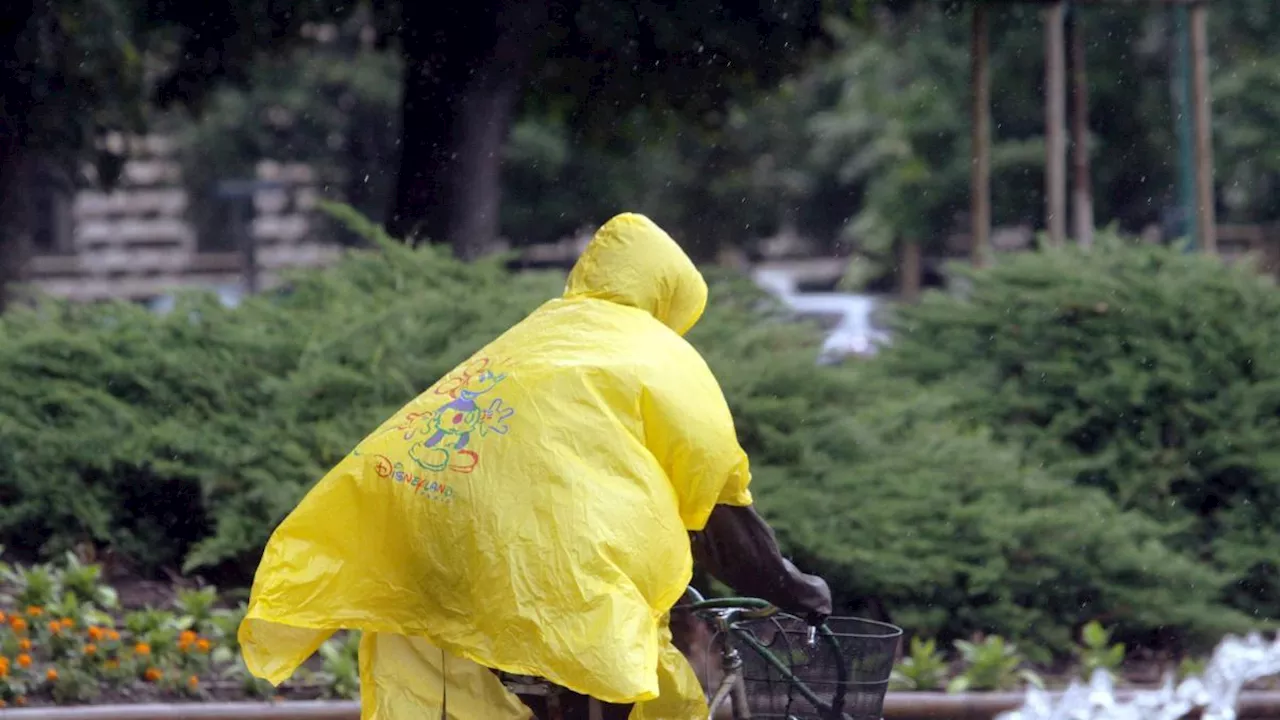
842,674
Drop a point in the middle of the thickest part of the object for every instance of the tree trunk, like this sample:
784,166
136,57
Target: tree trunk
1055,110
15,214
980,147
1206,223
1083,195
15,198
464,70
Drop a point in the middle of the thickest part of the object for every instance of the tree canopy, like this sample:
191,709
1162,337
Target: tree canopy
72,70
846,123
466,70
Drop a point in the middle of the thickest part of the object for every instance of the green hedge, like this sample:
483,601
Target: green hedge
1144,371
179,440
891,492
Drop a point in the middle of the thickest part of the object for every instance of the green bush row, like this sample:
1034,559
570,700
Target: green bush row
1145,372
179,440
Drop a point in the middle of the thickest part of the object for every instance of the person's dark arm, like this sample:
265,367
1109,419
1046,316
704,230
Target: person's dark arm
737,547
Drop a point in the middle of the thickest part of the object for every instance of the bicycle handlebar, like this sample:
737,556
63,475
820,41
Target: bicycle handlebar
729,603
748,607
732,609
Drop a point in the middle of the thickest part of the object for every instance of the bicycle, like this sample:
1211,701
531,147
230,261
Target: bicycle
794,671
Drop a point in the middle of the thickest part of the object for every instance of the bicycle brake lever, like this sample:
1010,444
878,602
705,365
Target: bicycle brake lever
813,636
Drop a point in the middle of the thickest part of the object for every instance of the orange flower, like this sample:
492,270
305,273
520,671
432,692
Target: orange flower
95,633
17,623
203,645
3,617
152,674
67,623
90,649
34,611
24,661
3,704
20,701
113,636
142,649
4,667
187,637
55,627
193,682
24,645
51,675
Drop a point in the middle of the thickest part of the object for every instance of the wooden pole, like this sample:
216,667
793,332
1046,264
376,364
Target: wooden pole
980,173
1055,121
1184,126
1082,197
1206,222
910,270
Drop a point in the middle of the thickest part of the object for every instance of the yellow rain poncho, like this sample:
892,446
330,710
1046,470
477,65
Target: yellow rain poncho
528,512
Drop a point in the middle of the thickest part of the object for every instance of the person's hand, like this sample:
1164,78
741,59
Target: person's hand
816,619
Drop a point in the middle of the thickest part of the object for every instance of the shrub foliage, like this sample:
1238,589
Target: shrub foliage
179,440
1142,371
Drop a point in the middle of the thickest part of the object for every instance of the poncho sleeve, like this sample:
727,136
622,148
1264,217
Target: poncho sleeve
689,429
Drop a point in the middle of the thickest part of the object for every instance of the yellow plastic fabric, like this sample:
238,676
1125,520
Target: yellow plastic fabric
406,677
528,512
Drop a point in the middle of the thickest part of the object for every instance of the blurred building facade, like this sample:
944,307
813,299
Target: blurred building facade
137,242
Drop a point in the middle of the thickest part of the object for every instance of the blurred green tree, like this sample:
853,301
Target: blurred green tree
332,102
80,68
899,130
586,63
72,71
1246,88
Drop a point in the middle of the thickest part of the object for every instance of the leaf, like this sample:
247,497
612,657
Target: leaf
330,652
921,648
900,681
1095,636
1115,656
221,655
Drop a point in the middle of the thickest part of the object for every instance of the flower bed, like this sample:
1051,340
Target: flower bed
65,638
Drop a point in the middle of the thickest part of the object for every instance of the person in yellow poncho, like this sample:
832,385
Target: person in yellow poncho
530,512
